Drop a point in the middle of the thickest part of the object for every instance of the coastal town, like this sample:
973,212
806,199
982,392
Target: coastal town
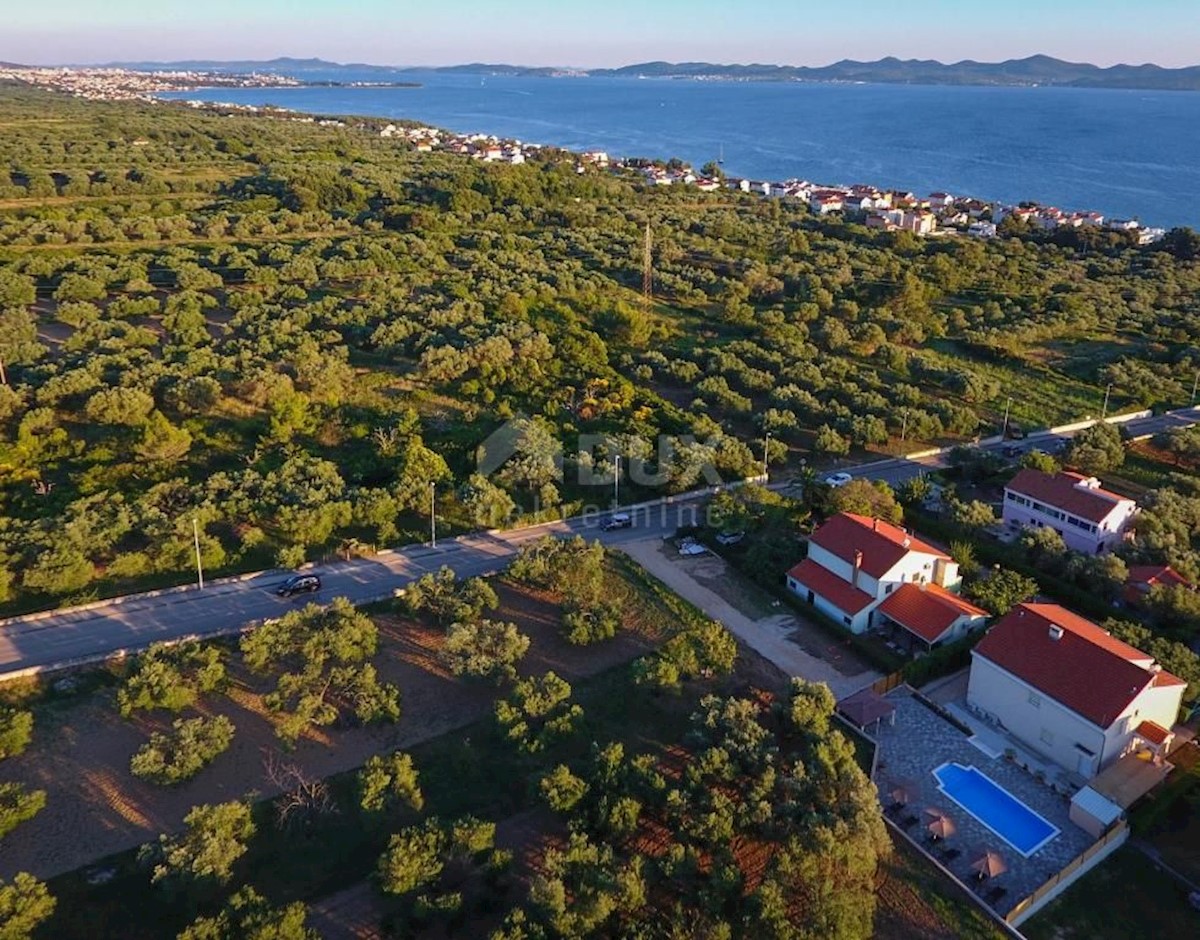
880,209
125,84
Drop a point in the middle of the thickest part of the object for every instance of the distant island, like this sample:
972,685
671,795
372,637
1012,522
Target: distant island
1037,70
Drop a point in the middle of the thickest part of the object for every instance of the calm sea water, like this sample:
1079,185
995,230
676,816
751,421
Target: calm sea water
1124,153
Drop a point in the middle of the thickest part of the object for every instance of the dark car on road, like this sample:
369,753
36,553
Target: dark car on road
299,584
617,520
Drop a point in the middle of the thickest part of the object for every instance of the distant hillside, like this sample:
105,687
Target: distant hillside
1034,70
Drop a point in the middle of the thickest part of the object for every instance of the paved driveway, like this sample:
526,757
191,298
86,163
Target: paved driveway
768,636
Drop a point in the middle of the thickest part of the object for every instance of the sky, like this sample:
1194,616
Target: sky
601,33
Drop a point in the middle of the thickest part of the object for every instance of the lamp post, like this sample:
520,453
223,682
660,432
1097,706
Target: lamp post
196,542
1007,405
1195,386
432,514
1104,411
766,453
616,481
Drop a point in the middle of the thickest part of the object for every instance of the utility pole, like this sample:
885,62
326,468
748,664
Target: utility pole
1007,405
647,271
4,377
766,454
432,514
196,542
904,426
1104,412
1195,384
616,481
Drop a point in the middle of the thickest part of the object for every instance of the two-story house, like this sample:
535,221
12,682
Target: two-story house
854,564
1070,691
1089,518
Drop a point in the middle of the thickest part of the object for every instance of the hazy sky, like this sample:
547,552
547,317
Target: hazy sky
606,32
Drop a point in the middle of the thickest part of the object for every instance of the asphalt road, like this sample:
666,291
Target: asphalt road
135,621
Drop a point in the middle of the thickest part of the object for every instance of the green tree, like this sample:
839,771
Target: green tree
16,731
873,498
249,916
215,837
562,790
388,780
25,904
489,505
320,659
1001,590
179,756
447,599
487,649
538,712
975,514
172,677
413,858
18,804
1096,449
122,406
828,441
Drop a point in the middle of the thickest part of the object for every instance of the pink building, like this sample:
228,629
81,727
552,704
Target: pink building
1088,517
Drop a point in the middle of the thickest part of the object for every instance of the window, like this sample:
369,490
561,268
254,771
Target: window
1035,700
888,589
846,621
1047,736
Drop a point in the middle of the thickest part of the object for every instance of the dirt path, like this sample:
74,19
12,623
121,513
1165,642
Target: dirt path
770,636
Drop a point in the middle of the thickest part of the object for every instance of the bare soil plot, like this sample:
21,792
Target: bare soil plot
95,807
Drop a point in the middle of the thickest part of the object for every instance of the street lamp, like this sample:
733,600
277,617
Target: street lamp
1195,386
1007,405
1104,411
196,542
432,514
766,453
616,481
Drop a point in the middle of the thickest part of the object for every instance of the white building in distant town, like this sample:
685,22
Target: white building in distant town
1071,692
1088,517
855,563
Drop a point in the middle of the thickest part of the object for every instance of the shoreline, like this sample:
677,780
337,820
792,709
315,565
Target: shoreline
1048,216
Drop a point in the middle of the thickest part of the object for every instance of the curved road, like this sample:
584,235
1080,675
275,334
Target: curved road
133,622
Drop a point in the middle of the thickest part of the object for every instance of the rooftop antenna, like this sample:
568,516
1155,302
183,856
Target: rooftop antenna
647,271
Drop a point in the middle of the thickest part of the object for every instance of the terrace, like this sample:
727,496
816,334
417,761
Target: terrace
917,741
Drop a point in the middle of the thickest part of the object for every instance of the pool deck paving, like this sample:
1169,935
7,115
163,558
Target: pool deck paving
920,741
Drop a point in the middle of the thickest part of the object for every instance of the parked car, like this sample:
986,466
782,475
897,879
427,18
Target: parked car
838,479
299,584
730,538
1011,450
618,520
690,546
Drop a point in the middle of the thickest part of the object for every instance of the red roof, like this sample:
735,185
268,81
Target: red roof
881,543
1061,490
1156,574
822,581
1153,732
1086,669
927,610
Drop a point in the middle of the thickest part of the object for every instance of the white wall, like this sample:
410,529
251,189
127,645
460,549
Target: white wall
1006,698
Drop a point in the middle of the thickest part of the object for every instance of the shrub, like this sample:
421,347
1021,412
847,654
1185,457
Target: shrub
179,756
488,649
18,805
16,730
587,625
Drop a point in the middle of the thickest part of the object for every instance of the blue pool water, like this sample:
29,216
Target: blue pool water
995,807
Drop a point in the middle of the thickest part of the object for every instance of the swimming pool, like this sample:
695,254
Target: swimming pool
995,807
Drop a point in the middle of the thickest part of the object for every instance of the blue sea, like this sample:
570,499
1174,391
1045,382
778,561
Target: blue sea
1123,153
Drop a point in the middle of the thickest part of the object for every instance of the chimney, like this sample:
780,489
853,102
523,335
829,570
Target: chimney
858,556
1056,632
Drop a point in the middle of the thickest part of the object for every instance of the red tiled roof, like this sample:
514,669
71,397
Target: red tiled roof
1156,574
1087,670
1060,490
1153,732
824,582
881,543
927,610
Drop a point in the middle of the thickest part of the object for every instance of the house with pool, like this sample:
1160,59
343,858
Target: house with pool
1071,692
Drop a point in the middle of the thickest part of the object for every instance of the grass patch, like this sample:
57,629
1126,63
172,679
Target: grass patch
1126,896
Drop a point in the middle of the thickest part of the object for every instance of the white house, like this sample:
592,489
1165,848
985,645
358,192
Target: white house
1070,691
1089,518
854,563
982,229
